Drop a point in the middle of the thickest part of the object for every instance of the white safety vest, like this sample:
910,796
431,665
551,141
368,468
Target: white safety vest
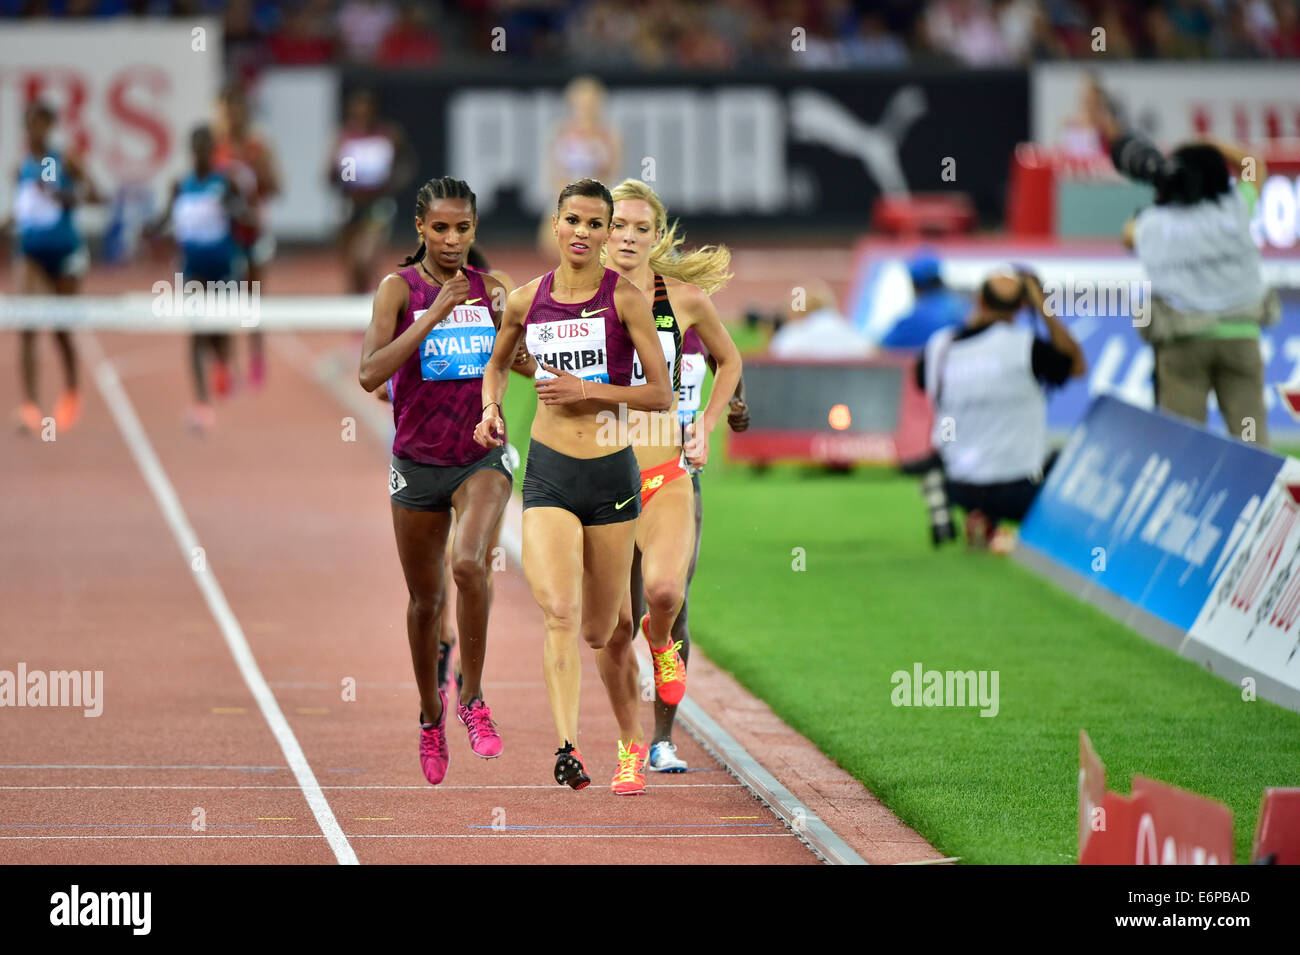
990,418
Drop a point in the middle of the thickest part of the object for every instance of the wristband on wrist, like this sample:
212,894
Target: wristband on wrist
490,404
583,385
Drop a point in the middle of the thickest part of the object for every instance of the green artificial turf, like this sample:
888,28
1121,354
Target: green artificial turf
820,645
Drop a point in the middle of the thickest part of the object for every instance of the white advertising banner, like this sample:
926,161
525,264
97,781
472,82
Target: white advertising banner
1173,102
127,93
1253,612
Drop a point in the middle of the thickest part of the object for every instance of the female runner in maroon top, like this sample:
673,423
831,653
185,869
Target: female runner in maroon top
582,487
431,331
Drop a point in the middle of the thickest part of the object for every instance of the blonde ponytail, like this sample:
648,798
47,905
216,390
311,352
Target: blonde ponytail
705,267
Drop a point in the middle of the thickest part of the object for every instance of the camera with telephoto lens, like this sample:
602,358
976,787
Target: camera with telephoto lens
1175,181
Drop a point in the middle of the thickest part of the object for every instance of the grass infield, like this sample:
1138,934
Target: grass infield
820,646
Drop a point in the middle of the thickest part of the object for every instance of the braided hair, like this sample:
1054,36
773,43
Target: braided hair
444,188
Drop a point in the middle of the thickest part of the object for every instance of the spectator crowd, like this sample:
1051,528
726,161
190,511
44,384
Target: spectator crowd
720,34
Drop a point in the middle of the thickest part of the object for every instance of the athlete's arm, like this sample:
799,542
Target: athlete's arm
737,406
703,317
80,177
268,175
334,171
404,163
7,223
491,430
239,205
381,354
156,227
497,293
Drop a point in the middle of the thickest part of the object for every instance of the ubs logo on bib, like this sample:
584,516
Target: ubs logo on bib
575,347
459,346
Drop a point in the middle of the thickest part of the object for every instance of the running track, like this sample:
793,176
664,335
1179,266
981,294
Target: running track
223,685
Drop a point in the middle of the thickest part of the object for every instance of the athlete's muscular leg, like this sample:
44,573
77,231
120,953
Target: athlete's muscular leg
666,713
617,660
607,561
67,285
553,565
200,344
666,537
480,503
256,343
33,281
421,537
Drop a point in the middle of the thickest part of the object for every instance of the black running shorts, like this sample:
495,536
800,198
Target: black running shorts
429,487
604,490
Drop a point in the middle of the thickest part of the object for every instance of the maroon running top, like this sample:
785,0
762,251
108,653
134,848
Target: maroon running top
438,390
583,338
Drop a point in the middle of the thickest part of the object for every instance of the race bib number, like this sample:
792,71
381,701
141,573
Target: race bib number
669,345
459,346
34,208
688,397
200,218
395,480
574,345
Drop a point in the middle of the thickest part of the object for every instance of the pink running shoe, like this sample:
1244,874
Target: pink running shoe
257,372
484,739
433,745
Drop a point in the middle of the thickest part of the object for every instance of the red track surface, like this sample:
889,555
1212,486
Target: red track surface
295,526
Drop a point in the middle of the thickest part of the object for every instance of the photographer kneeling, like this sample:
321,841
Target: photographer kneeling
1208,298
986,381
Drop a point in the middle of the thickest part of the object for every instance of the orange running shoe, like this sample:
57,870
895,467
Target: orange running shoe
28,417
67,412
670,670
630,778
221,381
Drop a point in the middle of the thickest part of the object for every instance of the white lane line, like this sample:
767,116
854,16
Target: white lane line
556,788
115,396
198,837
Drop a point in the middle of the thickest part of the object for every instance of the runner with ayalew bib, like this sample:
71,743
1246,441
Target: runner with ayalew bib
431,331
645,250
582,323
50,185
